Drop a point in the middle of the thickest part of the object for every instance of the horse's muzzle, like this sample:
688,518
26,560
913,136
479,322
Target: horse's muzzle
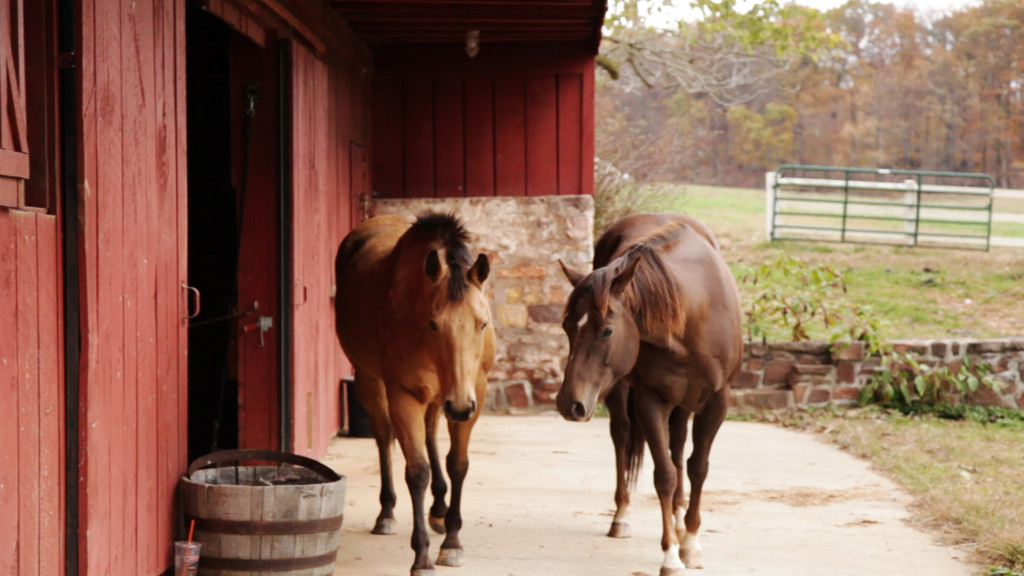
572,410
459,415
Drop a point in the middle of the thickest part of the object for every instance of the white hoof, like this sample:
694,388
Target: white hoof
450,557
671,566
421,572
385,526
689,552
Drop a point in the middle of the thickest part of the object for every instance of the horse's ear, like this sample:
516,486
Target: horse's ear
573,276
481,268
624,276
433,266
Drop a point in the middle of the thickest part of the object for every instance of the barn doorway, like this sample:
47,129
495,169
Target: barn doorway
234,236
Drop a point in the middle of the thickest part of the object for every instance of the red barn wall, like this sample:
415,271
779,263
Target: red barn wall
133,216
32,409
513,121
330,130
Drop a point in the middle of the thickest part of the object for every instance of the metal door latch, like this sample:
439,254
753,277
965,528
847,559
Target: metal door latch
263,323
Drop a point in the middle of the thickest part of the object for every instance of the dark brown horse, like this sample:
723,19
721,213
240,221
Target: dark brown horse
412,317
654,331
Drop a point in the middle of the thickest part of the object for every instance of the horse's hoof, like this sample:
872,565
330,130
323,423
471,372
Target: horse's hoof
385,526
450,557
437,524
692,558
620,530
421,572
670,571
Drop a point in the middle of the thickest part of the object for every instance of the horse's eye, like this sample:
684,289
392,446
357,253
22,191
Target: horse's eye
483,325
433,326
607,332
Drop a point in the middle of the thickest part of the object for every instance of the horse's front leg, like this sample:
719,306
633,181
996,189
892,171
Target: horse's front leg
618,410
408,419
451,553
705,427
653,414
372,396
438,487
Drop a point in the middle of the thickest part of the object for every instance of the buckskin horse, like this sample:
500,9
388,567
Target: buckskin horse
412,317
654,331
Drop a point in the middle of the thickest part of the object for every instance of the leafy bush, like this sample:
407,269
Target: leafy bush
617,194
910,386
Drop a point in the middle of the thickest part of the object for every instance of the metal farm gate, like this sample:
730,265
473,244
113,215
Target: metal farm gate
880,206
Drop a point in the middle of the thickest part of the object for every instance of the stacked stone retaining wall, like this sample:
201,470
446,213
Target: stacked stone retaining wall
782,375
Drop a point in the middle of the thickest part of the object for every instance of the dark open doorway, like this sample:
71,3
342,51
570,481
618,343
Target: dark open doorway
212,236
235,236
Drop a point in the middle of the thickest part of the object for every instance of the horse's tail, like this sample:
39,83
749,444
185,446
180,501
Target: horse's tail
634,444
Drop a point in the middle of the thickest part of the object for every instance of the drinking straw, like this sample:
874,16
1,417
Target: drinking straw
191,527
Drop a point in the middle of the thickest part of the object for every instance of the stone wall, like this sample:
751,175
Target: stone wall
781,375
524,237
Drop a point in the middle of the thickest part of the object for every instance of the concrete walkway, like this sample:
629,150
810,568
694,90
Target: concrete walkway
539,501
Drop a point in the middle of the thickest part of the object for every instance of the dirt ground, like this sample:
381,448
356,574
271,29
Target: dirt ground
539,501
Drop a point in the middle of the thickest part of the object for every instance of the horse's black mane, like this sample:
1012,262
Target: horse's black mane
452,233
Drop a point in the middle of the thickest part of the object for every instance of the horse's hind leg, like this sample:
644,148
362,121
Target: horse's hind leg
677,443
373,397
618,409
705,426
437,484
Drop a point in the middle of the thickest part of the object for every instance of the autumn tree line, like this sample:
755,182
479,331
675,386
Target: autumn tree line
868,84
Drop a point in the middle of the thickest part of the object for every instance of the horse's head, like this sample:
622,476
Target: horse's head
462,335
603,338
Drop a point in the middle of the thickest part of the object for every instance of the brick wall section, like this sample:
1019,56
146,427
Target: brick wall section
524,237
781,375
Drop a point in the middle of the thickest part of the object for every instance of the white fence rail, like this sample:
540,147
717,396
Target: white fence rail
1000,213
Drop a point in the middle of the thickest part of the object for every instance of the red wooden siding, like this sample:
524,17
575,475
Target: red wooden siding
327,102
31,320
133,383
511,122
259,409
32,412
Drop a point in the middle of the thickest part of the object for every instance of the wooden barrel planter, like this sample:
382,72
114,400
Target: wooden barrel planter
275,519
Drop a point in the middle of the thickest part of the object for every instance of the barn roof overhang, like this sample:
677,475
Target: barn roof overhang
390,23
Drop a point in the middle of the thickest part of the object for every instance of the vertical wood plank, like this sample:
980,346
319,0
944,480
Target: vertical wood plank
89,560
479,130
570,133
28,394
167,290
451,159
388,170
126,461
418,137
51,405
541,135
587,137
9,445
106,410
510,135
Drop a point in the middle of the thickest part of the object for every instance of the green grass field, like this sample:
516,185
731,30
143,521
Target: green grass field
918,292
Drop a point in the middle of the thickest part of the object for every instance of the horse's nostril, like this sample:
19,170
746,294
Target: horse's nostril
578,411
459,415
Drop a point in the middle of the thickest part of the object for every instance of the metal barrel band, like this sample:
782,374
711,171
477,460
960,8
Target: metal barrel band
268,528
269,564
